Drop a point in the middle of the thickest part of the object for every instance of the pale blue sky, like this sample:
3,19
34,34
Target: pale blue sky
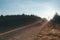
42,8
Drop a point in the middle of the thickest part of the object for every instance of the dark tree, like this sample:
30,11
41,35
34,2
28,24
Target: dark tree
56,19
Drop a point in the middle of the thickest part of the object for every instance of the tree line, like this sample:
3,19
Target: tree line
9,22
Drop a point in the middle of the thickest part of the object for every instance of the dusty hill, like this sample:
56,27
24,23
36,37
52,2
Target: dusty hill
51,31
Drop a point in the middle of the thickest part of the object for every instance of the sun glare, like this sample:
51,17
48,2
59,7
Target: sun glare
49,12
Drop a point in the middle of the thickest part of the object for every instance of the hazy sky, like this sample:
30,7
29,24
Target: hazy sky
42,8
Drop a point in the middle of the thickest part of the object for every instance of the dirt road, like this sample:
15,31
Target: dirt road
28,33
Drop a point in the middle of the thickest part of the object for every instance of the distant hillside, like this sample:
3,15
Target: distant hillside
9,22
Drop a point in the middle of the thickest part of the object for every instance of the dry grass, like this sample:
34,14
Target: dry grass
49,32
